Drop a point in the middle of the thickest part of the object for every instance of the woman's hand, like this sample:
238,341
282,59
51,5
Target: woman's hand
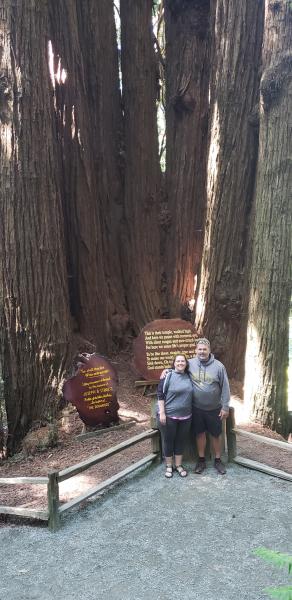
162,417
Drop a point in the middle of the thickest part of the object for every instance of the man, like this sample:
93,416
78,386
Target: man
211,402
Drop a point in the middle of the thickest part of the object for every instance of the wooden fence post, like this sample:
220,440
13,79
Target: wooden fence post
231,435
223,439
53,501
156,445
153,421
155,441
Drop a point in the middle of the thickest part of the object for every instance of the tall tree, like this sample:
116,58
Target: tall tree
187,78
35,332
90,121
233,139
270,280
142,171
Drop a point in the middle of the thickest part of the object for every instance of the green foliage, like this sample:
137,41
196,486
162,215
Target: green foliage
279,560
156,6
282,593
276,558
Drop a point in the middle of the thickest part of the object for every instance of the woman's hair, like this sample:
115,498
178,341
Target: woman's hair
187,365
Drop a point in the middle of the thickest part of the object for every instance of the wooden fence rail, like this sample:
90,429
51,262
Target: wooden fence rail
90,462
263,439
105,484
252,464
24,512
55,510
32,480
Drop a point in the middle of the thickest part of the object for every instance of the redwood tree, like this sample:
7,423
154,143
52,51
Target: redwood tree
35,325
270,279
233,138
140,251
187,78
89,114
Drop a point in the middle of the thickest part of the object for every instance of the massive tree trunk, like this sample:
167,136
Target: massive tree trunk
187,77
89,116
34,300
233,140
110,162
270,281
142,172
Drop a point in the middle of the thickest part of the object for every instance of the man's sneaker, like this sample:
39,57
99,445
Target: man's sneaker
200,467
220,468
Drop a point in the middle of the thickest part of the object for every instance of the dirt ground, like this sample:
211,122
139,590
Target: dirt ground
135,410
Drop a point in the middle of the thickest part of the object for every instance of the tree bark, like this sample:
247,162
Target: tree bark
35,332
89,115
142,172
270,281
232,154
187,78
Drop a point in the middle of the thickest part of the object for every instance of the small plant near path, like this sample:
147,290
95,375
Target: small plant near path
279,560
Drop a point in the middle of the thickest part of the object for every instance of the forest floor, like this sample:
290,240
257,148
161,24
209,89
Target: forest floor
134,406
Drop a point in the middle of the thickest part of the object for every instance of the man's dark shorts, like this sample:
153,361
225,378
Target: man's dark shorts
207,420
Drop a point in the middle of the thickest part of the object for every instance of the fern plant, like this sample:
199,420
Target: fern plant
279,560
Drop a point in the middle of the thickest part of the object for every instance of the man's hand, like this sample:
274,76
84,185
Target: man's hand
223,414
164,373
162,417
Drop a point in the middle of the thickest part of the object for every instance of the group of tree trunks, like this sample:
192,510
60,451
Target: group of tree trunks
95,240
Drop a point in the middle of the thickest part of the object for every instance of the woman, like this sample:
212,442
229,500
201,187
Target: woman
174,393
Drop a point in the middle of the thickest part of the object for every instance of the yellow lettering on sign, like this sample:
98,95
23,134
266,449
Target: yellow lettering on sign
162,346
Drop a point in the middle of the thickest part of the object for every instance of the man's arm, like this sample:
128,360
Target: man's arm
225,394
164,373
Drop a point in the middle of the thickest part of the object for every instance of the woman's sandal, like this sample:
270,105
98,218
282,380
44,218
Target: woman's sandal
168,473
181,471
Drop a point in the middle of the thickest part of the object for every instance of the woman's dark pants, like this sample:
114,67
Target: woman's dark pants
174,435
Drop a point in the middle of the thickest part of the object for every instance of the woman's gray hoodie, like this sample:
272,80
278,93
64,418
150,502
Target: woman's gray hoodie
210,382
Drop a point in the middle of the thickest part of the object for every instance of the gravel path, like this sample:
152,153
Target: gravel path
153,539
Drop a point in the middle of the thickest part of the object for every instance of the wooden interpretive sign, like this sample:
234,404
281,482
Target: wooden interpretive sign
93,390
158,343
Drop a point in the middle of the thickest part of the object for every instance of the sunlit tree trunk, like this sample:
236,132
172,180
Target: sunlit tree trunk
270,280
233,140
35,324
142,172
187,78
89,116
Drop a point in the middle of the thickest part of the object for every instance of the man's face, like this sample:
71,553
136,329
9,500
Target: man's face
202,351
